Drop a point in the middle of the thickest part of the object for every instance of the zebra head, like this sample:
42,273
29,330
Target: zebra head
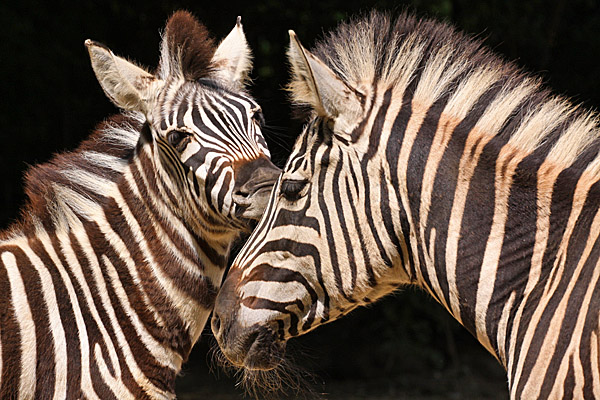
205,128
305,265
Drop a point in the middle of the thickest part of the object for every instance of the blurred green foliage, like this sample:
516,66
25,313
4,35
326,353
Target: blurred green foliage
51,101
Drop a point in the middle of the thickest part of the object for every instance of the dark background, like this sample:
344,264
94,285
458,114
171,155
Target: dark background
403,347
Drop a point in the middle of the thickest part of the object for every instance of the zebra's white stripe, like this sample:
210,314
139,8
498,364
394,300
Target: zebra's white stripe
490,122
581,191
86,381
412,128
550,341
209,269
523,142
105,160
115,385
493,247
546,178
455,111
227,200
56,327
100,288
595,367
168,217
241,141
503,327
120,248
77,271
185,306
22,312
162,355
133,367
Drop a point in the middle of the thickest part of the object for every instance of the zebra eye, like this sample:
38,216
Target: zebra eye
259,118
292,189
178,139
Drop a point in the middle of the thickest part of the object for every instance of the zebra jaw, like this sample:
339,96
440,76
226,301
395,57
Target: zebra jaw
255,347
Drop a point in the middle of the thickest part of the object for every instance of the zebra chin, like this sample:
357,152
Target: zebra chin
254,348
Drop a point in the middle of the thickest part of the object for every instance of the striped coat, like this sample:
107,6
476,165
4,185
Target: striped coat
107,280
429,161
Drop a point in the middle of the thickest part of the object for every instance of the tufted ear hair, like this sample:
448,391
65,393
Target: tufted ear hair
315,84
126,85
186,48
233,59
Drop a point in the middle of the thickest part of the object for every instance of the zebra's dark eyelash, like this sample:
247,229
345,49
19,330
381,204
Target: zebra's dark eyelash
292,189
178,139
259,118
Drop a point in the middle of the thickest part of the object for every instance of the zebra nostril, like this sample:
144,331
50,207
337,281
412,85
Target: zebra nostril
251,339
242,193
216,325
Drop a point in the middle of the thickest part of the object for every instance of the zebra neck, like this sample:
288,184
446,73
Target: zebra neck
180,271
473,210
132,283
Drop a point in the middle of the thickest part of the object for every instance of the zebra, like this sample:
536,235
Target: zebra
108,278
427,160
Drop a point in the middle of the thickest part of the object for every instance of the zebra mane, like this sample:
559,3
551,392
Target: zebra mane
55,188
433,62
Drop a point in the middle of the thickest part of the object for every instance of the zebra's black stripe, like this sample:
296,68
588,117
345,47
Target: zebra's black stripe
109,277
429,161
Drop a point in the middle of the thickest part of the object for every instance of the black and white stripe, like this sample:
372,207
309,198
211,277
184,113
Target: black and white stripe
429,161
107,280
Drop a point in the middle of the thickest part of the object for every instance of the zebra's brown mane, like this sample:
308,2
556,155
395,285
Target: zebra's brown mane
103,155
431,61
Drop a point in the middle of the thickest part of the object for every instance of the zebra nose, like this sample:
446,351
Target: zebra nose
225,306
254,176
253,183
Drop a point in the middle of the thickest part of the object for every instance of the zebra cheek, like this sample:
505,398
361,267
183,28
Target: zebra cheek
201,173
197,179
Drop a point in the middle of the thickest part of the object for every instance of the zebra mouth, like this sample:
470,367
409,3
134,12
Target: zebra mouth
252,207
265,352
257,349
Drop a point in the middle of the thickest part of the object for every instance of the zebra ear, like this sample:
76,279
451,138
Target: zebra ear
233,59
126,85
315,84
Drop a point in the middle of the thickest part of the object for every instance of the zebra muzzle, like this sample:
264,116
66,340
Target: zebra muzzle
255,347
254,181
